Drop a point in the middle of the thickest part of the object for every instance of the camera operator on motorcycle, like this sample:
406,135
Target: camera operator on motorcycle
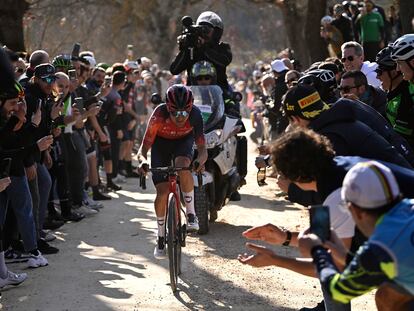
203,74
202,42
172,130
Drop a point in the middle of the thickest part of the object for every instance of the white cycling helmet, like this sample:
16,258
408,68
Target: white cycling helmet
403,48
326,20
210,18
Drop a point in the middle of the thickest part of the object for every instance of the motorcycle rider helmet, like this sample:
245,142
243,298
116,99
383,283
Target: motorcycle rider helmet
323,80
213,20
62,61
179,97
204,68
384,60
403,48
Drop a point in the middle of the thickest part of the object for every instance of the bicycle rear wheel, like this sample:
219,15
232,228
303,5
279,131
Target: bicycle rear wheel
173,243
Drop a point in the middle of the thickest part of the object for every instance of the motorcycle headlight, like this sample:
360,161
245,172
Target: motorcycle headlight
213,138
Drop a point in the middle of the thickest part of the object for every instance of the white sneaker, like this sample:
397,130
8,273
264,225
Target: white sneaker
192,223
159,250
85,210
89,202
13,279
37,261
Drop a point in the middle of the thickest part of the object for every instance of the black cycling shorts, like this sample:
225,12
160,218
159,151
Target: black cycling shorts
163,150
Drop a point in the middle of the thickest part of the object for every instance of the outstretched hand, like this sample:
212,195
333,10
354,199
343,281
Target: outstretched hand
263,256
268,233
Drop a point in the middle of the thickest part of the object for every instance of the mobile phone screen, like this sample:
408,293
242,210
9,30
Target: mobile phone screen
79,104
5,165
72,74
319,221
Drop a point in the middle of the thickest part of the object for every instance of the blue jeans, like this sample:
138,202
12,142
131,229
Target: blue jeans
44,183
20,201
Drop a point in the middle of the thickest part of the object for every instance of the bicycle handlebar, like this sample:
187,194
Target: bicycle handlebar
170,170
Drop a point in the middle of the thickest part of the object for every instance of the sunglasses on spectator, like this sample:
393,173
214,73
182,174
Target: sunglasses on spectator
19,70
349,58
49,80
261,177
205,78
179,113
346,89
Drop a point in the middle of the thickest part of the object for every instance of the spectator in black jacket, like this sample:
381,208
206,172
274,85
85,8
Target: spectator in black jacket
39,95
207,47
349,137
18,140
343,23
354,85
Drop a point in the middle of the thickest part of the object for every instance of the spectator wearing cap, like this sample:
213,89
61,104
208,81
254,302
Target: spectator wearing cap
304,107
39,92
353,59
354,85
372,196
343,23
36,58
277,122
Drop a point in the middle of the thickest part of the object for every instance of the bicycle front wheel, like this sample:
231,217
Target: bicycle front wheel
173,242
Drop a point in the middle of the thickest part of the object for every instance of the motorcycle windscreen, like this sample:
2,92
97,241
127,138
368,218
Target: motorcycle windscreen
209,99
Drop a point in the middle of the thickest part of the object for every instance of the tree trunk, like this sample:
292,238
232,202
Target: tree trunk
11,23
315,44
294,24
406,15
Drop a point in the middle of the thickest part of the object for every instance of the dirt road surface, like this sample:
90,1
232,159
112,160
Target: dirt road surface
106,261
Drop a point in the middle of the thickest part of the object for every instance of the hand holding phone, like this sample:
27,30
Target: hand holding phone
75,51
72,74
320,222
79,104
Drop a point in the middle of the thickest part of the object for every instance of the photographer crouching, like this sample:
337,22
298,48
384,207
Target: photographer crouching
202,42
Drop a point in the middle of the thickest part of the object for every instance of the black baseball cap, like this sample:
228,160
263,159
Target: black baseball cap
303,101
44,71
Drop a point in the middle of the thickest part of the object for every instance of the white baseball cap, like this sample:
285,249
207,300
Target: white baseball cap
278,65
91,60
370,185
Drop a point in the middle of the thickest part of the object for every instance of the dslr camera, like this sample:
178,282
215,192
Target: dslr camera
189,38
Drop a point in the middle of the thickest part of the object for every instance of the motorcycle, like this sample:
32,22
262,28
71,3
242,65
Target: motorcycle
226,165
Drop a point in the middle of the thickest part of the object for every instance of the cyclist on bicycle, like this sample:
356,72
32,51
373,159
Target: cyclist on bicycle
171,132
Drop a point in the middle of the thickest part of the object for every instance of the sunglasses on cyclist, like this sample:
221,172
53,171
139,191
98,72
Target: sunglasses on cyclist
205,78
261,177
49,80
346,89
349,58
379,71
179,113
